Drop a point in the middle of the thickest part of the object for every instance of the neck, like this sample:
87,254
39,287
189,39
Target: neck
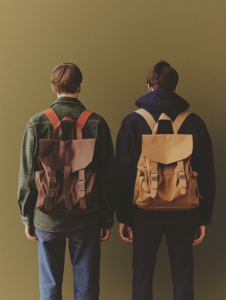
75,95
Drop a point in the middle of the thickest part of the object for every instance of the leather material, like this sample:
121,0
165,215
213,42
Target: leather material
52,116
66,185
79,153
165,180
57,129
83,118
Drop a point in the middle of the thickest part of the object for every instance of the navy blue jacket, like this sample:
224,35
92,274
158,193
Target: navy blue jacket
128,150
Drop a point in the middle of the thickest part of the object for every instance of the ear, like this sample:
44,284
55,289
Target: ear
53,88
175,90
79,88
150,88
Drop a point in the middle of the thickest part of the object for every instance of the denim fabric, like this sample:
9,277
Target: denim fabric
84,248
39,127
148,230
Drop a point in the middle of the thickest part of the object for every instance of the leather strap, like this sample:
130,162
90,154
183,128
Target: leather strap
57,129
148,117
52,116
50,188
81,188
182,177
67,173
83,118
163,116
180,118
154,178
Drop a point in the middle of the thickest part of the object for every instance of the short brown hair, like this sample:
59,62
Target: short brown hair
66,77
162,75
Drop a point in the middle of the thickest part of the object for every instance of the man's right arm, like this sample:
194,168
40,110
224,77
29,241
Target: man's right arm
125,174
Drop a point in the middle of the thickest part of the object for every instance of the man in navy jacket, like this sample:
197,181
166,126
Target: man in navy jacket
145,227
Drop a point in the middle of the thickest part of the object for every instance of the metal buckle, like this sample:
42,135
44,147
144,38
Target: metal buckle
51,178
157,177
82,179
183,176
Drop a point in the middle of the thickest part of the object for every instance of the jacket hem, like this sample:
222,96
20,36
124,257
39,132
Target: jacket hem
51,229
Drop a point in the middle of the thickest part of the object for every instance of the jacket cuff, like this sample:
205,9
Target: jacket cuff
26,220
107,225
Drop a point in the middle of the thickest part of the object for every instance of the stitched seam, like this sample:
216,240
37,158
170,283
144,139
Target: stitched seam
70,229
47,122
86,240
48,238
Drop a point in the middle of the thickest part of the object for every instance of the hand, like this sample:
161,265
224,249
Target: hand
105,235
30,232
126,233
201,232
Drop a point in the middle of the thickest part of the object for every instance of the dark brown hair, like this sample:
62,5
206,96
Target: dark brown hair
66,77
163,75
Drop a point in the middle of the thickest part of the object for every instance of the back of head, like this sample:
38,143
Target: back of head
162,75
66,78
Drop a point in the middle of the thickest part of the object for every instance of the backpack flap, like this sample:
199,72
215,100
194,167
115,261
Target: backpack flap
167,148
57,154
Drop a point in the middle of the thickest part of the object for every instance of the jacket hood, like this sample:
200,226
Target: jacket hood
163,100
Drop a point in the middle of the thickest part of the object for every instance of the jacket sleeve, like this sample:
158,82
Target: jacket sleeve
27,192
206,177
125,174
106,166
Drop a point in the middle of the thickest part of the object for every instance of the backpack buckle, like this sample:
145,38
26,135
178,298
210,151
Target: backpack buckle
154,176
181,175
82,179
50,182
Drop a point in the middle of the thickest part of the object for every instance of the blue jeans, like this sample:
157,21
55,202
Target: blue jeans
84,248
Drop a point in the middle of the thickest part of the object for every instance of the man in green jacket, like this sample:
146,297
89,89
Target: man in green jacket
83,231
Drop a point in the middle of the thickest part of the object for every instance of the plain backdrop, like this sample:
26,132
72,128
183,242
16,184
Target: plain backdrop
115,43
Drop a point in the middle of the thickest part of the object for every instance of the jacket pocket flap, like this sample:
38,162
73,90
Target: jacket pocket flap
75,153
167,148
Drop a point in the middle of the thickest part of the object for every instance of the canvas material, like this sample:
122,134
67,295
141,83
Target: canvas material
165,179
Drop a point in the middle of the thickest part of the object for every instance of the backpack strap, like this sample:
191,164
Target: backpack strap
54,120
52,116
154,178
81,173
148,117
180,118
83,118
182,177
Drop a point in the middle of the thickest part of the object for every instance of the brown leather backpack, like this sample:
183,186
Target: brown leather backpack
67,182
165,179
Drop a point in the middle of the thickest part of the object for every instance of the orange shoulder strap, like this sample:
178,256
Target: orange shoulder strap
83,118
52,116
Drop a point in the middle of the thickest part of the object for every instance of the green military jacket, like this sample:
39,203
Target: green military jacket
38,127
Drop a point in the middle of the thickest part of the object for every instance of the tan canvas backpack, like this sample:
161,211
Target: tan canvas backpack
165,179
67,182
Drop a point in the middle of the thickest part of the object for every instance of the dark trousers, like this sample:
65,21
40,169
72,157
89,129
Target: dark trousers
148,230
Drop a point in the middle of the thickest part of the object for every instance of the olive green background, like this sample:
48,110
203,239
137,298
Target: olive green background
115,43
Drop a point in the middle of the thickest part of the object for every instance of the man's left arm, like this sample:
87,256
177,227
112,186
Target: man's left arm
206,178
27,192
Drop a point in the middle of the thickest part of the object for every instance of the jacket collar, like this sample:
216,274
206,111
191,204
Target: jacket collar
68,100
